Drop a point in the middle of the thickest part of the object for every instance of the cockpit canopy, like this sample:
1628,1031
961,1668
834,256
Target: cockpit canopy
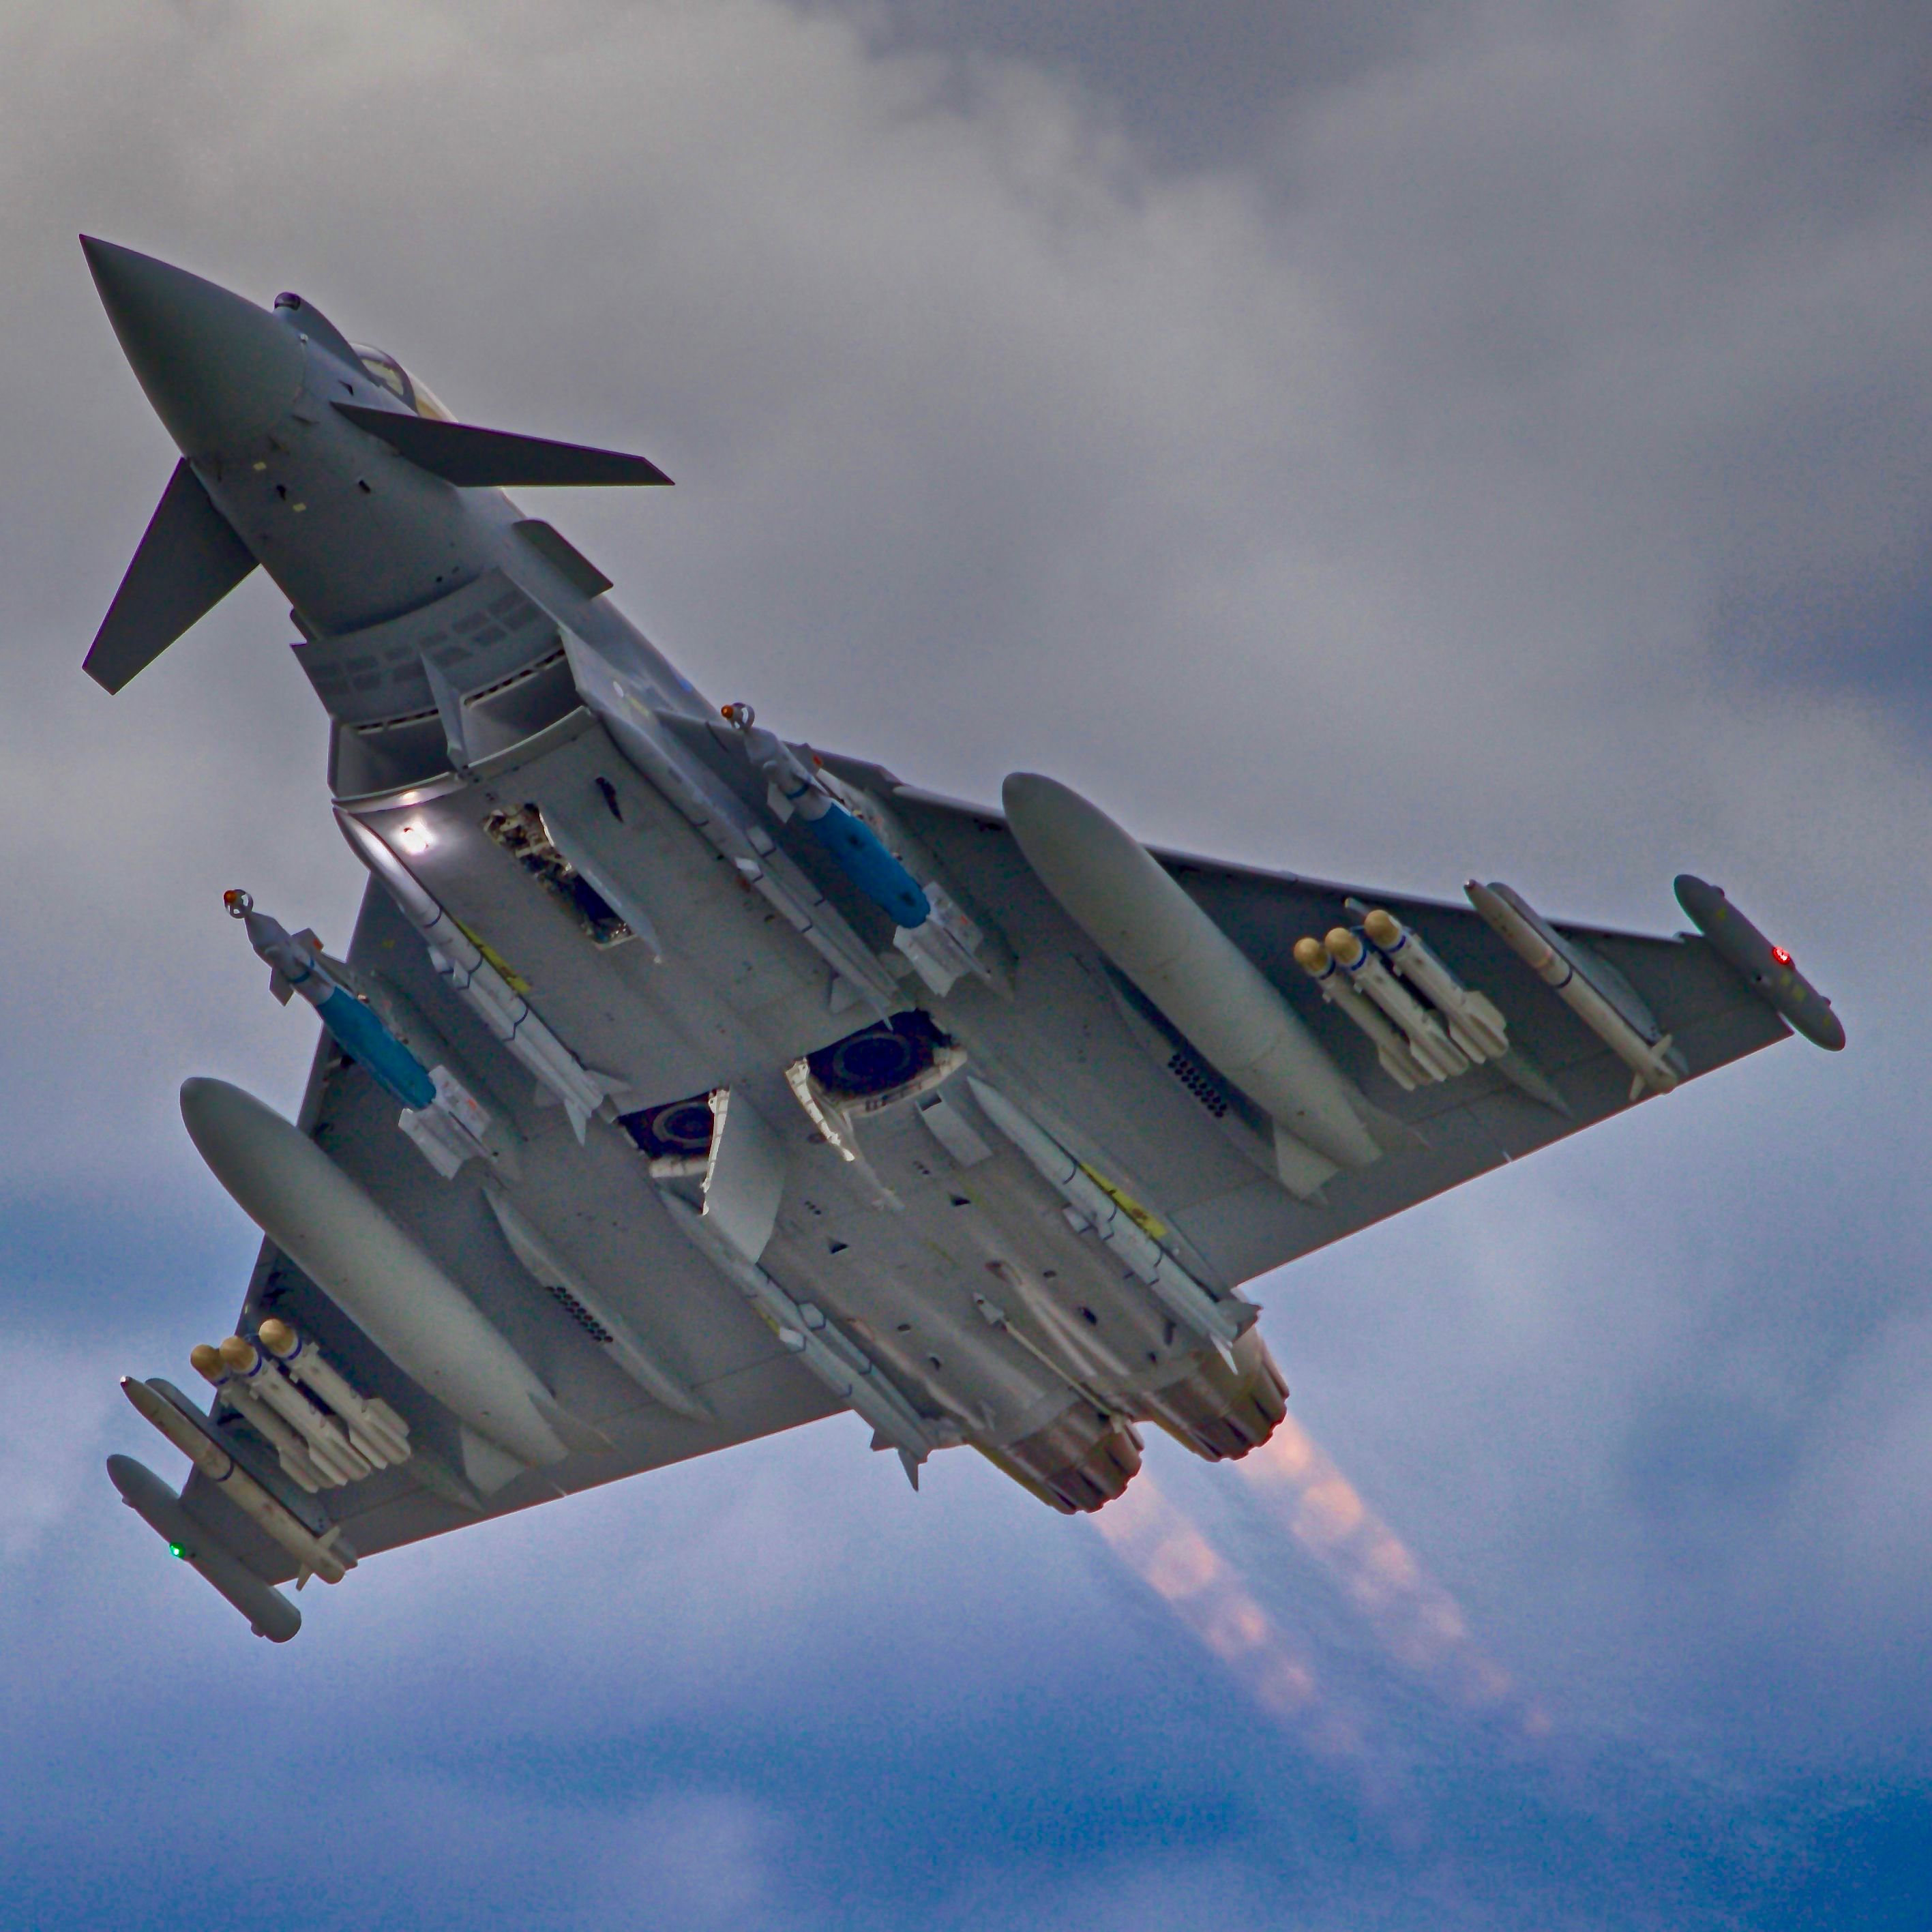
386,370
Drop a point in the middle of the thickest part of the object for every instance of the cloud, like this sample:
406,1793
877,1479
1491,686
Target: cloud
1496,444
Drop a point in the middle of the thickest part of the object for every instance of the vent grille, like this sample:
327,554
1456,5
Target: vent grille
581,1315
1198,1081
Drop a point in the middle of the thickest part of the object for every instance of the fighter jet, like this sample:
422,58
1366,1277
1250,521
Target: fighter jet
681,1084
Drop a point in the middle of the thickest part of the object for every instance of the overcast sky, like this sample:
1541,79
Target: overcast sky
1389,442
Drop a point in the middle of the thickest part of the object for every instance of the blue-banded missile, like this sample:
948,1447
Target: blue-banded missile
793,790
294,963
375,1429
1768,970
1475,1023
328,1448
270,1614
932,932
291,1451
1392,1048
1428,1044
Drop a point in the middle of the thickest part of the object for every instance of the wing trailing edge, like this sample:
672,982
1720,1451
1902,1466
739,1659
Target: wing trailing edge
473,458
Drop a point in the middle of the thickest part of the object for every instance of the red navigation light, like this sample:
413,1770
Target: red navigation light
1783,957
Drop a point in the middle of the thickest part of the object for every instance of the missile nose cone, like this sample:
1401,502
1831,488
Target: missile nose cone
218,369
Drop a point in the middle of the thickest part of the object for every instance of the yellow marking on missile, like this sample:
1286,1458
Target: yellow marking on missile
510,977
1149,1225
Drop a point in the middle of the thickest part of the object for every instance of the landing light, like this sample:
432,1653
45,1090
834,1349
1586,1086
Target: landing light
414,840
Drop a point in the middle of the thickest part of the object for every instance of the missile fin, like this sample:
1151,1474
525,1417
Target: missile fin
572,1431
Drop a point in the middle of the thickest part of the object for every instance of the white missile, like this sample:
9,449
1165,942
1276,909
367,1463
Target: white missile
290,1450
375,1429
1341,992
1220,1323
1525,934
838,1361
327,1444
605,1326
1474,1024
328,1560
372,1270
457,958
1431,1047
270,1614
1139,917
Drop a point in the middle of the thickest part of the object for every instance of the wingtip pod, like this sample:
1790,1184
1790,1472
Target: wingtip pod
270,1614
1768,970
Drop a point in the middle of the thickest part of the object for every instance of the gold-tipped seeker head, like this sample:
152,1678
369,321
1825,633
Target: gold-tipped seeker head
1312,956
277,1337
1385,929
208,1362
238,1354
1345,946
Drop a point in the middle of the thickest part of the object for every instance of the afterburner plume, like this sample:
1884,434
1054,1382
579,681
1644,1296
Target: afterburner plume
1170,1554
1418,1621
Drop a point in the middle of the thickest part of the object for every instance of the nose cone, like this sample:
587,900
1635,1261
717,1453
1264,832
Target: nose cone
218,369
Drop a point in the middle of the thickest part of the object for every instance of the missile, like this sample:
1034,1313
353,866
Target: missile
1431,1048
793,791
459,960
270,1614
290,1450
1525,933
1340,992
1767,969
941,942
373,1271
1475,1024
295,966
833,1356
724,822
438,1114
194,1439
1219,1323
328,1448
1138,915
374,1428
